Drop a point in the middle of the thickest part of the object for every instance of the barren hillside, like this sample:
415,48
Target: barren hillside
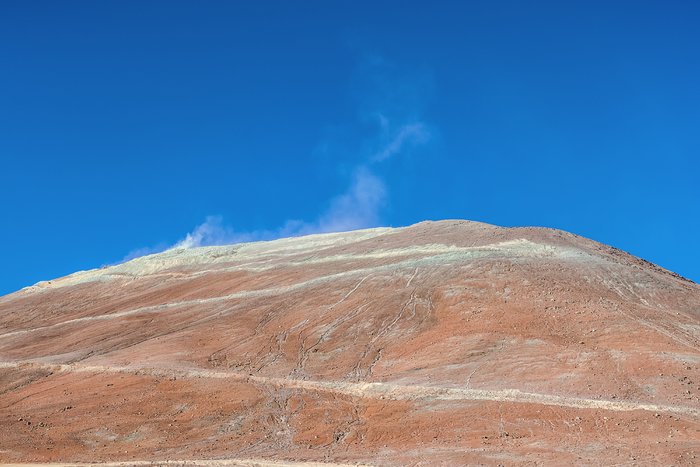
447,342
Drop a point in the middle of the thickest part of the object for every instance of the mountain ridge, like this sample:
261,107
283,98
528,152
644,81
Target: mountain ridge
549,232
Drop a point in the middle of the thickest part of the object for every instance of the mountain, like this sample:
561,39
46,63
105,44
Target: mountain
448,342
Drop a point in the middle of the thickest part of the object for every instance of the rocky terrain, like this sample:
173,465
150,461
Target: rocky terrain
447,342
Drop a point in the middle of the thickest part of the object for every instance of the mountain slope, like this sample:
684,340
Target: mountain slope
444,342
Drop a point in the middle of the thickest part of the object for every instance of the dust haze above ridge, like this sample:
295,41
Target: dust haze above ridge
390,104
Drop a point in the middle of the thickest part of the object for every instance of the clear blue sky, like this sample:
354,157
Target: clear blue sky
124,125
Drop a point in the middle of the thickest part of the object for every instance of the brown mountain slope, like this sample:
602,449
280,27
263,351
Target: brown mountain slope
446,342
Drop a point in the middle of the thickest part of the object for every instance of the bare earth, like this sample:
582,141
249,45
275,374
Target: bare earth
447,342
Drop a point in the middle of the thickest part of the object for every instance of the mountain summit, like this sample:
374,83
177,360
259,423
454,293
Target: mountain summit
448,342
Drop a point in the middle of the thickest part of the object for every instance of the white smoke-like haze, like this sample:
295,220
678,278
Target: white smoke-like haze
356,208
398,131
406,137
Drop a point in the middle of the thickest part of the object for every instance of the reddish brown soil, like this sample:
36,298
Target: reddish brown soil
488,346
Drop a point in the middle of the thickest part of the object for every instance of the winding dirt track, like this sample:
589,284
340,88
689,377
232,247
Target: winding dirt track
195,463
441,343
198,462
373,390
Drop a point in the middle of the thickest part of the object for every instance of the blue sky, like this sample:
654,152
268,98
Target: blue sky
128,127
